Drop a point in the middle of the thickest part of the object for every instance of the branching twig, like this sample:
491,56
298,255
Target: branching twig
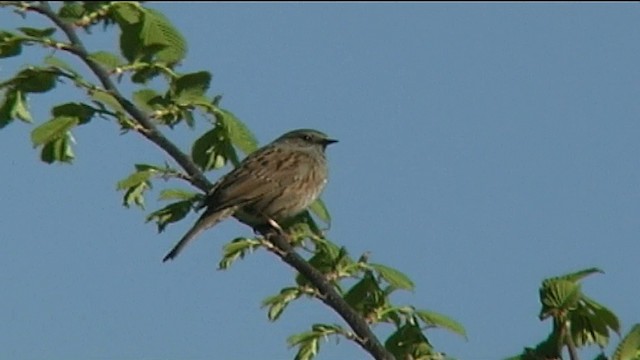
151,132
363,334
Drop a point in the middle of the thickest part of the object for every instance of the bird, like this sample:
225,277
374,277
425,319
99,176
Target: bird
271,185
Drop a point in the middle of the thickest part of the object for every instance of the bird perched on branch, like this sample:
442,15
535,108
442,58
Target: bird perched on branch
271,185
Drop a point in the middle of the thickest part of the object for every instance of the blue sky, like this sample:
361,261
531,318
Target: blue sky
483,147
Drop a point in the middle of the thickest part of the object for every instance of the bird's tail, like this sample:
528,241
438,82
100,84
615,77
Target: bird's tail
207,220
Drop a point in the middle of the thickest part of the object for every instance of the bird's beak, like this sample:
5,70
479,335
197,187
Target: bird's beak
326,142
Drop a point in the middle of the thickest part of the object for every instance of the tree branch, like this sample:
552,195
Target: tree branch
366,338
151,132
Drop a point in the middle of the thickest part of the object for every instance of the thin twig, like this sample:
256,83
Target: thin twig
363,334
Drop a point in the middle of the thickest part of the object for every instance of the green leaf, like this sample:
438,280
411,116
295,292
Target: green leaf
394,277
148,99
237,249
158,32
433,318
178,194
170,214
130,46
19,110
135,179
107,101
126,13
81,112
366,296
320,210
71,11
13,107
135,195
408,342
35,80
587,329
136,184
578,275
108,60
603,313
308,350
327,258
192,86
58,150
209,150
10,44
59,64
52,129
149,167
308,342
629,347
37,33
278,303
240,136
558,295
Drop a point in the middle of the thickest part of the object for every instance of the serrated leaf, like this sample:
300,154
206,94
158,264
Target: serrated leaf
71,11
240,136
19,110
177,194
602,312
108,60
107,100
578,275
130,41
126,13
60,64
192,86
308,345
52,129
58,150
629,347
134,179
208,151
148,99
408,342
394,277
586,328
278,303
34,80
433,318
320,210
37,33
82,112
13,107
237,249
148,167
135,195
170,214
10,44
187,115
556,295
366,296
158,32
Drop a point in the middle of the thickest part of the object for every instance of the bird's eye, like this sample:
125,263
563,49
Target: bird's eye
307,137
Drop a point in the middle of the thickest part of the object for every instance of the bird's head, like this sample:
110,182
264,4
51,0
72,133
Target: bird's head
307,138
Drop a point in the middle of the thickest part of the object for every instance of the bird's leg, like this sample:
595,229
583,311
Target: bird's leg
275,225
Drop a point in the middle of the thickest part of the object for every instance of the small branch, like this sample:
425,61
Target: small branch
151,132
571,346
364,336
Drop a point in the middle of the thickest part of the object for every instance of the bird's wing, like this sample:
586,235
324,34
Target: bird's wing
258,176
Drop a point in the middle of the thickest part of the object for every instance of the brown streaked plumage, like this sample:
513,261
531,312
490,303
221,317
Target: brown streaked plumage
274,183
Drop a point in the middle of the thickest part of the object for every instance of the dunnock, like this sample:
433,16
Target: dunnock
272,184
